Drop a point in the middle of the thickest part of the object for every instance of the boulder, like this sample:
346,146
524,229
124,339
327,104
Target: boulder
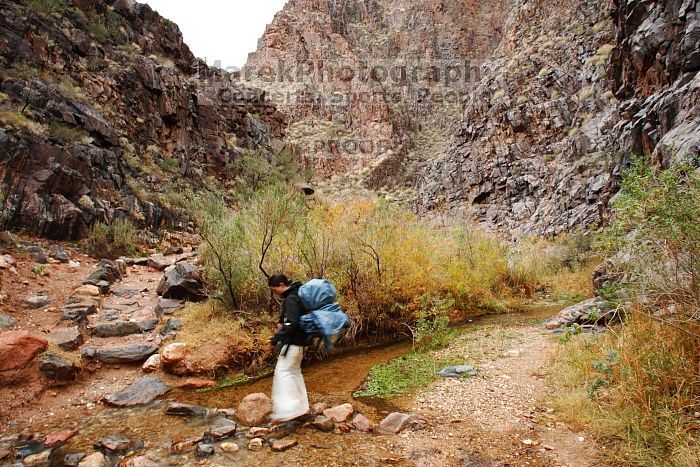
131,353
180,409
18,349
34,302
340,413
59,254
457,371
152,364
142,392
158,262
168,306
58,369
172,355
362,423
96,459
66,338
592,311
113,444
281,445
6,322
395,422
183,282
115,329
254,409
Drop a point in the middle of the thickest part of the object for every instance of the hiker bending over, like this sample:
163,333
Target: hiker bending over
289,399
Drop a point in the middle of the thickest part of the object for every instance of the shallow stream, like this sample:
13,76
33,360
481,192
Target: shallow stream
331,381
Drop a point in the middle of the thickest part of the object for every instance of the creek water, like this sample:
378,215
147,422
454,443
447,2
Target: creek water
331,381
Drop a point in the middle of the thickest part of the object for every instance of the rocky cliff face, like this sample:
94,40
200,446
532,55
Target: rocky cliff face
565,102
105,113
359,79
559,95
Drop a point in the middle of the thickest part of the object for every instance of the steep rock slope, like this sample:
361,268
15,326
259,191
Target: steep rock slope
105,113
360,78
566,100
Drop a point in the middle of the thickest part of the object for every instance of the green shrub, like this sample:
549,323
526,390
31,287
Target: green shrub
64,134
111,241
638,387
45,6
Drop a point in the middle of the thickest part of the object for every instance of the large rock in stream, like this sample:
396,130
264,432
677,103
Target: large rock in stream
142,392
254,409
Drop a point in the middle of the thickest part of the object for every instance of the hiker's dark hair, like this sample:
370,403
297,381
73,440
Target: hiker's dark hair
278,279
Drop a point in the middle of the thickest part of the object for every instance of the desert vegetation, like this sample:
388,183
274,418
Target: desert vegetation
638,386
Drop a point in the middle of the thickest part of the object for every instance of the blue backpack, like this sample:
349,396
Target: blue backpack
325,318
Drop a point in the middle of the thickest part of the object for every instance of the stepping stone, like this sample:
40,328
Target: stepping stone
115,329
158,263
152,364
96,459
185,410
457,371
363,424
282,445
323,423
172,325
113,444
142,392
6,322
168,306
66,338
395,422
126,293
37,253
147,324
186,445
221,428
87,291
339,414
58,369
58,253
204,450
132,353
36,301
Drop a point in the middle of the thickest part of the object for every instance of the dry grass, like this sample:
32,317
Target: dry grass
637,389
218,340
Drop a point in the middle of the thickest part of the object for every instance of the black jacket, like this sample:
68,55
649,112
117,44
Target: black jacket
292,309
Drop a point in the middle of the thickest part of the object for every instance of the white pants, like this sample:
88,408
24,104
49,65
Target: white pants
289,399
